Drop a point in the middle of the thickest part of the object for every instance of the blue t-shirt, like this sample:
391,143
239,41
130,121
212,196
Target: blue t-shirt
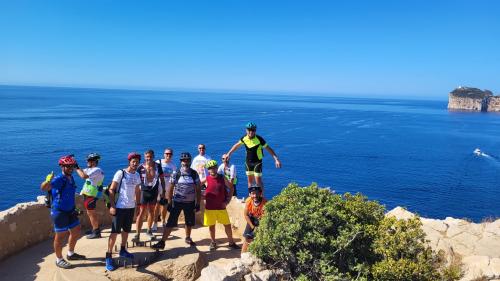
63,193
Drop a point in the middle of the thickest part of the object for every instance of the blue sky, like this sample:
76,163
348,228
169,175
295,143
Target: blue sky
393,48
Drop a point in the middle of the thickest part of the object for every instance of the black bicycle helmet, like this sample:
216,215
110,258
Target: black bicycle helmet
255,188
185,156
93,156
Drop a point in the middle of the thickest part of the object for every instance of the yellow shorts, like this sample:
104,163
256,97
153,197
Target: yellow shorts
212,216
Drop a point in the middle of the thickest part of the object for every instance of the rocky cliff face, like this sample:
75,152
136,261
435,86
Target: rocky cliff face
494,104
466,98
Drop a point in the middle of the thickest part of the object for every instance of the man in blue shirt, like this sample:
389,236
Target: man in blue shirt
62,189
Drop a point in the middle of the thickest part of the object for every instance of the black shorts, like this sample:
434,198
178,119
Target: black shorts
189,214
249,232
253,168
122,220
149,197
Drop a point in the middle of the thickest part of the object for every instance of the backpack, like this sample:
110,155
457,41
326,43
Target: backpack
192,173
105,191
48,200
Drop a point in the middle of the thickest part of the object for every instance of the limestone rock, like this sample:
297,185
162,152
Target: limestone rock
477,244
494,104
265,275
400,213
236,270
252,262
213,273
467,98
184,267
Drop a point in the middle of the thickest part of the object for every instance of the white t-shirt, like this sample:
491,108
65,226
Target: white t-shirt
228,171
96,175
126,196
168,169
198,165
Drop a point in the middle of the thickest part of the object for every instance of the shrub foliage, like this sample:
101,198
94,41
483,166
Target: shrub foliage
317,235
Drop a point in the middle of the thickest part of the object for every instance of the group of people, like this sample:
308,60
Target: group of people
155,188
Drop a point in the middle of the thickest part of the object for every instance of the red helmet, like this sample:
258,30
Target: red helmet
67,160
132,155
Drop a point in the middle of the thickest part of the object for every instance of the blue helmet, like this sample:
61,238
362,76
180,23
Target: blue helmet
251,126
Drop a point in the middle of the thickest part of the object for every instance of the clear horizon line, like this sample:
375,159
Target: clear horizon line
233,91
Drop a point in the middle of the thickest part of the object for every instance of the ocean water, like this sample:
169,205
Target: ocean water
399,152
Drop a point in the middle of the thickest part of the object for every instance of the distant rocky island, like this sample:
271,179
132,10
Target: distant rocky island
473,99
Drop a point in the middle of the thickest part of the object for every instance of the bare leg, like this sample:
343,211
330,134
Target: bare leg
258,181
166,233
251,179
138,223
94,220
111,241
188,230
59,243
151,215
124,238
74,234
156,212
246,243
163,214
212,232
229,233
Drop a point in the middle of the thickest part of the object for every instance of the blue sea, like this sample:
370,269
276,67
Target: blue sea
411,153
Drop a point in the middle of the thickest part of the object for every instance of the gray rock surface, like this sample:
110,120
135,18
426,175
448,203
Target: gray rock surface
477,245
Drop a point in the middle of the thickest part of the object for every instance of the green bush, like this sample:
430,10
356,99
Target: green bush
317,235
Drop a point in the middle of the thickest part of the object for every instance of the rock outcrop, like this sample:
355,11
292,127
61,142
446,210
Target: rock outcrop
466,98
475,245
494,104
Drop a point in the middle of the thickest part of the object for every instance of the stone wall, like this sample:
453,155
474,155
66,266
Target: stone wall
27,224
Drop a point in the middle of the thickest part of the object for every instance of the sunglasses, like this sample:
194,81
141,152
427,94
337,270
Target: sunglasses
168,153
68,166
201,148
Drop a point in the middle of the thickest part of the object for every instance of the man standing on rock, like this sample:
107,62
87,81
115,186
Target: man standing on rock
124,192
92,188
184,194
63,211
254,144
216,199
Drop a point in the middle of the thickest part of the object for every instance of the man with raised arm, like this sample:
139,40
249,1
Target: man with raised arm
92,188
63,213
254,144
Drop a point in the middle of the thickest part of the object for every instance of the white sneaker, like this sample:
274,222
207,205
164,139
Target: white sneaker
155,227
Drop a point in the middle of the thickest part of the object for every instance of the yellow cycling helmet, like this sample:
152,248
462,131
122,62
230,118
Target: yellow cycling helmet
211,164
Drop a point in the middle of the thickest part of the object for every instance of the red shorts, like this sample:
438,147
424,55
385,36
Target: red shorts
90,202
